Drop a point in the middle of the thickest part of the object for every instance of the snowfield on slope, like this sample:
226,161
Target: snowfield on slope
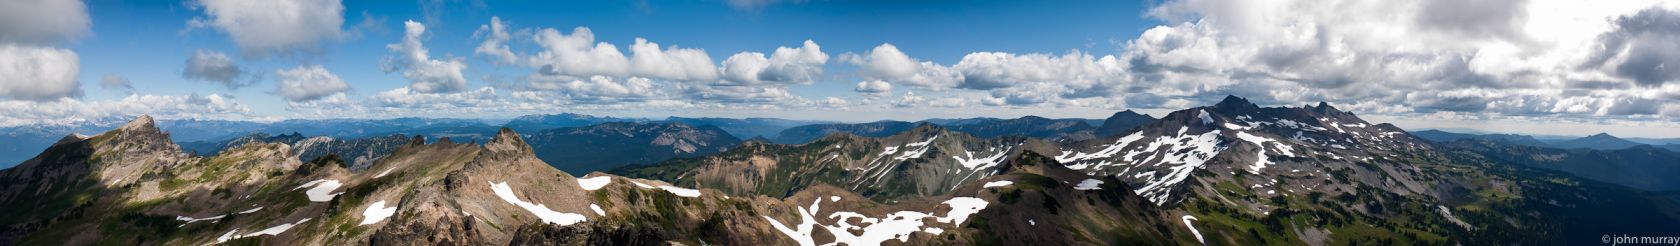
594,183
547,215
322,190
377,212
1002,183
895,226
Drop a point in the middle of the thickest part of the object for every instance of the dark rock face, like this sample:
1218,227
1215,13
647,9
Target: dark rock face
590,234
445,230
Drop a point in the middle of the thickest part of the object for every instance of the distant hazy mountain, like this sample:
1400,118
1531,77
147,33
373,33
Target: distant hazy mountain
952,122
610,145
1655,141
1439,136
1121,122
539,122
808,133
1643,166
1601,141
187,130
748,127
1029,126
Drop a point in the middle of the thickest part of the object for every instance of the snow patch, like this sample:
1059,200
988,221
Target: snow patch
377,212
1261,160
1206,119
271,231
976,163
1078,158
679,191
917,153
1193,230
597,209
1454,219
1000,183
322,190
1089,184
640,184
594,183
548,216
383,173
190,220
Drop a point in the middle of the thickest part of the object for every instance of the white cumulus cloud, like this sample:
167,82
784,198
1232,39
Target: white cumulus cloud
886,62
264,27
308,83
38,73
425,75
787,65
43,21
216,67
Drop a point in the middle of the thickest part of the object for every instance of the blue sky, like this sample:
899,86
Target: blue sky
1553,67
940,31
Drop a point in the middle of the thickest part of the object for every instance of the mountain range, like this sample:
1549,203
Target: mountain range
1232,173
610,145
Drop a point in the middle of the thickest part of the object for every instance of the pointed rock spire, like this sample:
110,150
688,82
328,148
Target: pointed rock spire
143,123
1325,108
507,141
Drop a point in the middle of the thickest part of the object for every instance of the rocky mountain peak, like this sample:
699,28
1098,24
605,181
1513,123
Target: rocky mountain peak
1325,108
507,141
1127,113
144,131
1233,105
143,123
